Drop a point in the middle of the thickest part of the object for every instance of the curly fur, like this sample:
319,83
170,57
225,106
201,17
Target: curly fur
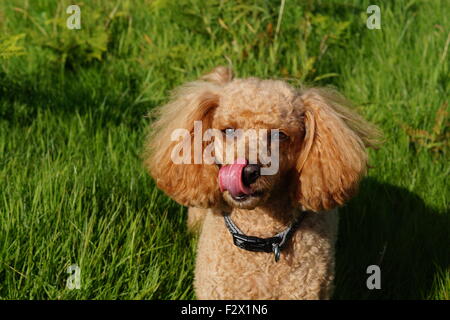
321,165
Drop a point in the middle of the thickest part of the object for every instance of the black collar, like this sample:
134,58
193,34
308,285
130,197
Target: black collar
273,244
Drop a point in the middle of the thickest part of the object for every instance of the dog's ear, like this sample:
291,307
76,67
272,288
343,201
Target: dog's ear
220,75
333,156
188,184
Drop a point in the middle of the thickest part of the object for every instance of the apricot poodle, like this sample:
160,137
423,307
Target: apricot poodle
262,236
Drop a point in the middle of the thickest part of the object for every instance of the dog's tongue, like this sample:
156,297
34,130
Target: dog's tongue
230,178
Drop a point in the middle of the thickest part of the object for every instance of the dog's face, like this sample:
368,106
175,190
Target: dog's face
317,148
258,114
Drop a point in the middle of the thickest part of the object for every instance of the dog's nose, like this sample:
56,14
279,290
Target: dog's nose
250,174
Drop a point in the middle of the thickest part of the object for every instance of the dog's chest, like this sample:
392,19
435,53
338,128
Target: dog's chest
225,271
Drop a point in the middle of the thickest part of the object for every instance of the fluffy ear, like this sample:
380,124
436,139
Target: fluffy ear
333,157
189,184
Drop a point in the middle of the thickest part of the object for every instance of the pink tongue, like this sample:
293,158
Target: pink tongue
230,178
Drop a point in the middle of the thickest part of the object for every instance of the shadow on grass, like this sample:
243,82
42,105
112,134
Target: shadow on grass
391,227
21,99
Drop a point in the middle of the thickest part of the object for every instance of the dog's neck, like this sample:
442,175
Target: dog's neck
265,220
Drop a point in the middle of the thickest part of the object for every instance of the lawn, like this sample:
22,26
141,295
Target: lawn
73,107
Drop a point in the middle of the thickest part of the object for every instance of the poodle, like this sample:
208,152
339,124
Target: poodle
262,236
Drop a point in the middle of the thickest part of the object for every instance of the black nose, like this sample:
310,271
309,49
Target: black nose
250,174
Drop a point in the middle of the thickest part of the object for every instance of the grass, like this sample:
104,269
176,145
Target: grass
72,125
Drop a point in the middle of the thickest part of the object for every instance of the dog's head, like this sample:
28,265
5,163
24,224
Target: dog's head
245,141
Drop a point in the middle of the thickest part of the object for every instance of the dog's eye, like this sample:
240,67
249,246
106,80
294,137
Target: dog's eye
229,132
278,135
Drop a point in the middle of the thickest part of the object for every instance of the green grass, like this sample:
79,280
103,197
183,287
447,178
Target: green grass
72,126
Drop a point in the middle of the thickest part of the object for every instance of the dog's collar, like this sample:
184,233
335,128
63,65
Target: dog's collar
274,244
